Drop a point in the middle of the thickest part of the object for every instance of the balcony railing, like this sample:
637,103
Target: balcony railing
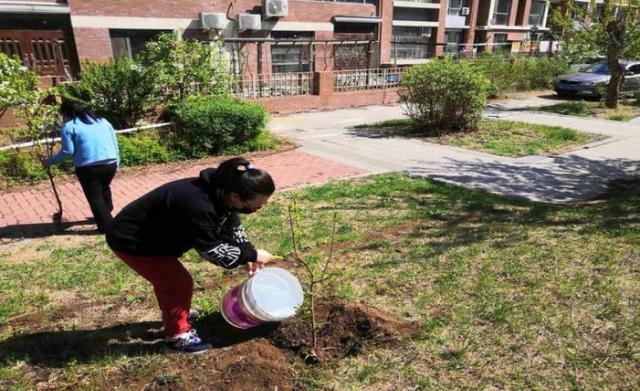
366,79
411,51
272,85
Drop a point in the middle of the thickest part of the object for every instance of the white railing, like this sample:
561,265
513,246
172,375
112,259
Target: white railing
366,79
28,144
272,85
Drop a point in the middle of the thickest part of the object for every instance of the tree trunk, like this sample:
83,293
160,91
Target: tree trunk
615,29
617,77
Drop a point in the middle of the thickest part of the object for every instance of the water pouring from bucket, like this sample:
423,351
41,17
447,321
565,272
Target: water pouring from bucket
271,294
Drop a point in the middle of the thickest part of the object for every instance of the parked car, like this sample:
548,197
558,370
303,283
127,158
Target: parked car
592,81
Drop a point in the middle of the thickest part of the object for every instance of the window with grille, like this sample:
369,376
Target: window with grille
455,6
536,14
501,13
290,58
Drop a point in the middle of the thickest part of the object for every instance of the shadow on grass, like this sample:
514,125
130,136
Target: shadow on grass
57,349
39,230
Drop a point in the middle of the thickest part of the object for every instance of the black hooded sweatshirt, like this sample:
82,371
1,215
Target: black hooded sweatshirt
181,215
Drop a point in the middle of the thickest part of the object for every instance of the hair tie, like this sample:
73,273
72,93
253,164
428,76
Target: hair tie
244,167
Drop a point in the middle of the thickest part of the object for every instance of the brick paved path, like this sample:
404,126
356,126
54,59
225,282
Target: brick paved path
27,212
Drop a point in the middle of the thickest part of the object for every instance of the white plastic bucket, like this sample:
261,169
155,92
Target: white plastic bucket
272,294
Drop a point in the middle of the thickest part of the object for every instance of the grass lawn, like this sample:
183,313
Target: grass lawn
626,110
505,294
505,138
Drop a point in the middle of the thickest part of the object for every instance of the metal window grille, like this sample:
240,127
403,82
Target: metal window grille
366,79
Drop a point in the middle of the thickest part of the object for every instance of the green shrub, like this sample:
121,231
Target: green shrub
444,95
17,83
209,126
15,165
184,67
121,91
23,166
140,150
520,74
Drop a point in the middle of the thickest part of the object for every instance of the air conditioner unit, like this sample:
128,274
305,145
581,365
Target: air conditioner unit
213,20
464,11
249,22
275,8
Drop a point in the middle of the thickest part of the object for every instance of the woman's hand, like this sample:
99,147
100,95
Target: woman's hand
263,258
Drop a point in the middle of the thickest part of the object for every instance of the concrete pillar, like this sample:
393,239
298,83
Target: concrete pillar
473,22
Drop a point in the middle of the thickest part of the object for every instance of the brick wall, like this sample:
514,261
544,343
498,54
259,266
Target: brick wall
302,11
339,100
386,12
93,44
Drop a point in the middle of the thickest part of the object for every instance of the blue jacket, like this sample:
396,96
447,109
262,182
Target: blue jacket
88,144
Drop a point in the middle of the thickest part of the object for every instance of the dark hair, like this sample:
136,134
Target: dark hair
237,175
71,109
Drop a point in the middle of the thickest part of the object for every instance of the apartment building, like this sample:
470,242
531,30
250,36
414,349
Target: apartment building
465,26
56,36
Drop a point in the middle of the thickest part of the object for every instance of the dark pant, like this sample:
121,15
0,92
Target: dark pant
95,181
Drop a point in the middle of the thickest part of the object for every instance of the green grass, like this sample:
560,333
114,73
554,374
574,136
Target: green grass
498,137
626,110
508,294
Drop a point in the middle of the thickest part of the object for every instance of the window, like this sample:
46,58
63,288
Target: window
454,7
536,14
500,43
580,11
635,69
355,28
129,43
352,1
290,58
453,38
501,12
410,42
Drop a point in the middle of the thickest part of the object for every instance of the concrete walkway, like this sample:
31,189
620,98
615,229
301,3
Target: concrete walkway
579,175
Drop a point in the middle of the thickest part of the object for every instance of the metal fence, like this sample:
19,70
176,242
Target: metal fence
366,79
272,85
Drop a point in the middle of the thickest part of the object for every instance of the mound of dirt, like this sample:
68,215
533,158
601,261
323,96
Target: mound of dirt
255,365
344,330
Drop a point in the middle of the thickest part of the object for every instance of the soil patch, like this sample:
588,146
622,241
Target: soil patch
254,359
344,330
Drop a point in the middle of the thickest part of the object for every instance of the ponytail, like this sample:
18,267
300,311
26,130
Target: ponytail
239,176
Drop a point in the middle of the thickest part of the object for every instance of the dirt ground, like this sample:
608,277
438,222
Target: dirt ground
256,359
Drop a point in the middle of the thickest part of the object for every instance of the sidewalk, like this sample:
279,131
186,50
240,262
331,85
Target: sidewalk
27,212
578,175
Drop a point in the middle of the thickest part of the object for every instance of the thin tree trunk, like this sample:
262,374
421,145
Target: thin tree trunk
617,77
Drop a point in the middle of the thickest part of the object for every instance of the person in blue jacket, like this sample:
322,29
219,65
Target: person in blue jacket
91,141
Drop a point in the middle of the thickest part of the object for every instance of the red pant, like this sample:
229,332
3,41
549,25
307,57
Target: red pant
172,285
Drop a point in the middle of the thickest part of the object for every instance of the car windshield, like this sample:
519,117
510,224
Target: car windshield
600,69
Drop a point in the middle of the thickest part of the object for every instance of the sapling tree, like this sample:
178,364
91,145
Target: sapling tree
318,274
36,107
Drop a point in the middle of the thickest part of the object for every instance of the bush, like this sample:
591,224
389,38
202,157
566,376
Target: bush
17,166
185,67
444,95
17,83
142,150
520,74
121,91
209,126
